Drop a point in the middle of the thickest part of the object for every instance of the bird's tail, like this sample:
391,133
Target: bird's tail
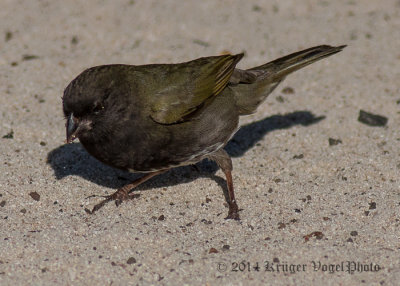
252,86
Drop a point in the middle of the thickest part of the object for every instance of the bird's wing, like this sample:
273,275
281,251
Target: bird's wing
187,87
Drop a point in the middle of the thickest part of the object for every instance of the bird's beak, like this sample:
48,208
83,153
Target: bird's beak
72,127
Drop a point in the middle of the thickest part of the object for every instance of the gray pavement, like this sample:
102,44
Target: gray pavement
312,212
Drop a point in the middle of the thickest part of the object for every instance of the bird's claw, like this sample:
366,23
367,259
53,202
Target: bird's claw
233,211
119,196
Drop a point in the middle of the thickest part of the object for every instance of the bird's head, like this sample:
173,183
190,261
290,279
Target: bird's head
89,100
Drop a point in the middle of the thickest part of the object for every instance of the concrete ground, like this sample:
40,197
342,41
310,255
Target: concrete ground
312,212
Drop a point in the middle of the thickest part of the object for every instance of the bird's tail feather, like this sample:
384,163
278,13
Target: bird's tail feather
293,62
265,78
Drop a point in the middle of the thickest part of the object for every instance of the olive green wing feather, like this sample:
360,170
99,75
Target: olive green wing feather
187,86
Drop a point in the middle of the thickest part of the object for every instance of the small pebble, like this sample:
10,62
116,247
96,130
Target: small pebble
372,119
372,205
131,260
35,196
288,90
333,142
9,135
300,156
213,250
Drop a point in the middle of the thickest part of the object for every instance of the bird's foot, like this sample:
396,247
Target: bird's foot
119,196
233,212
124,193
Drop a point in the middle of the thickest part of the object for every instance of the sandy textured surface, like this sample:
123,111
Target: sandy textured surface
289,181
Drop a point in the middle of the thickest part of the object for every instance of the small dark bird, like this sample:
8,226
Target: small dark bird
152,118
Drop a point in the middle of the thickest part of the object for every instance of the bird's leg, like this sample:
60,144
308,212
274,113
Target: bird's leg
123,193
233,207
225,163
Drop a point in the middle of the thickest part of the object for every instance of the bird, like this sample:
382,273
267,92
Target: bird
152,118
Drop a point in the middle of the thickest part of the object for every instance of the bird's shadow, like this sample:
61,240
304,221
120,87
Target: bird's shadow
72,159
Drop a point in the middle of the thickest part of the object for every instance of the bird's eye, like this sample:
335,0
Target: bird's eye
97,108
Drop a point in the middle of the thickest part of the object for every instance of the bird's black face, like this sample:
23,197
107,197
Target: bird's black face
81,124
83,109
94,103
